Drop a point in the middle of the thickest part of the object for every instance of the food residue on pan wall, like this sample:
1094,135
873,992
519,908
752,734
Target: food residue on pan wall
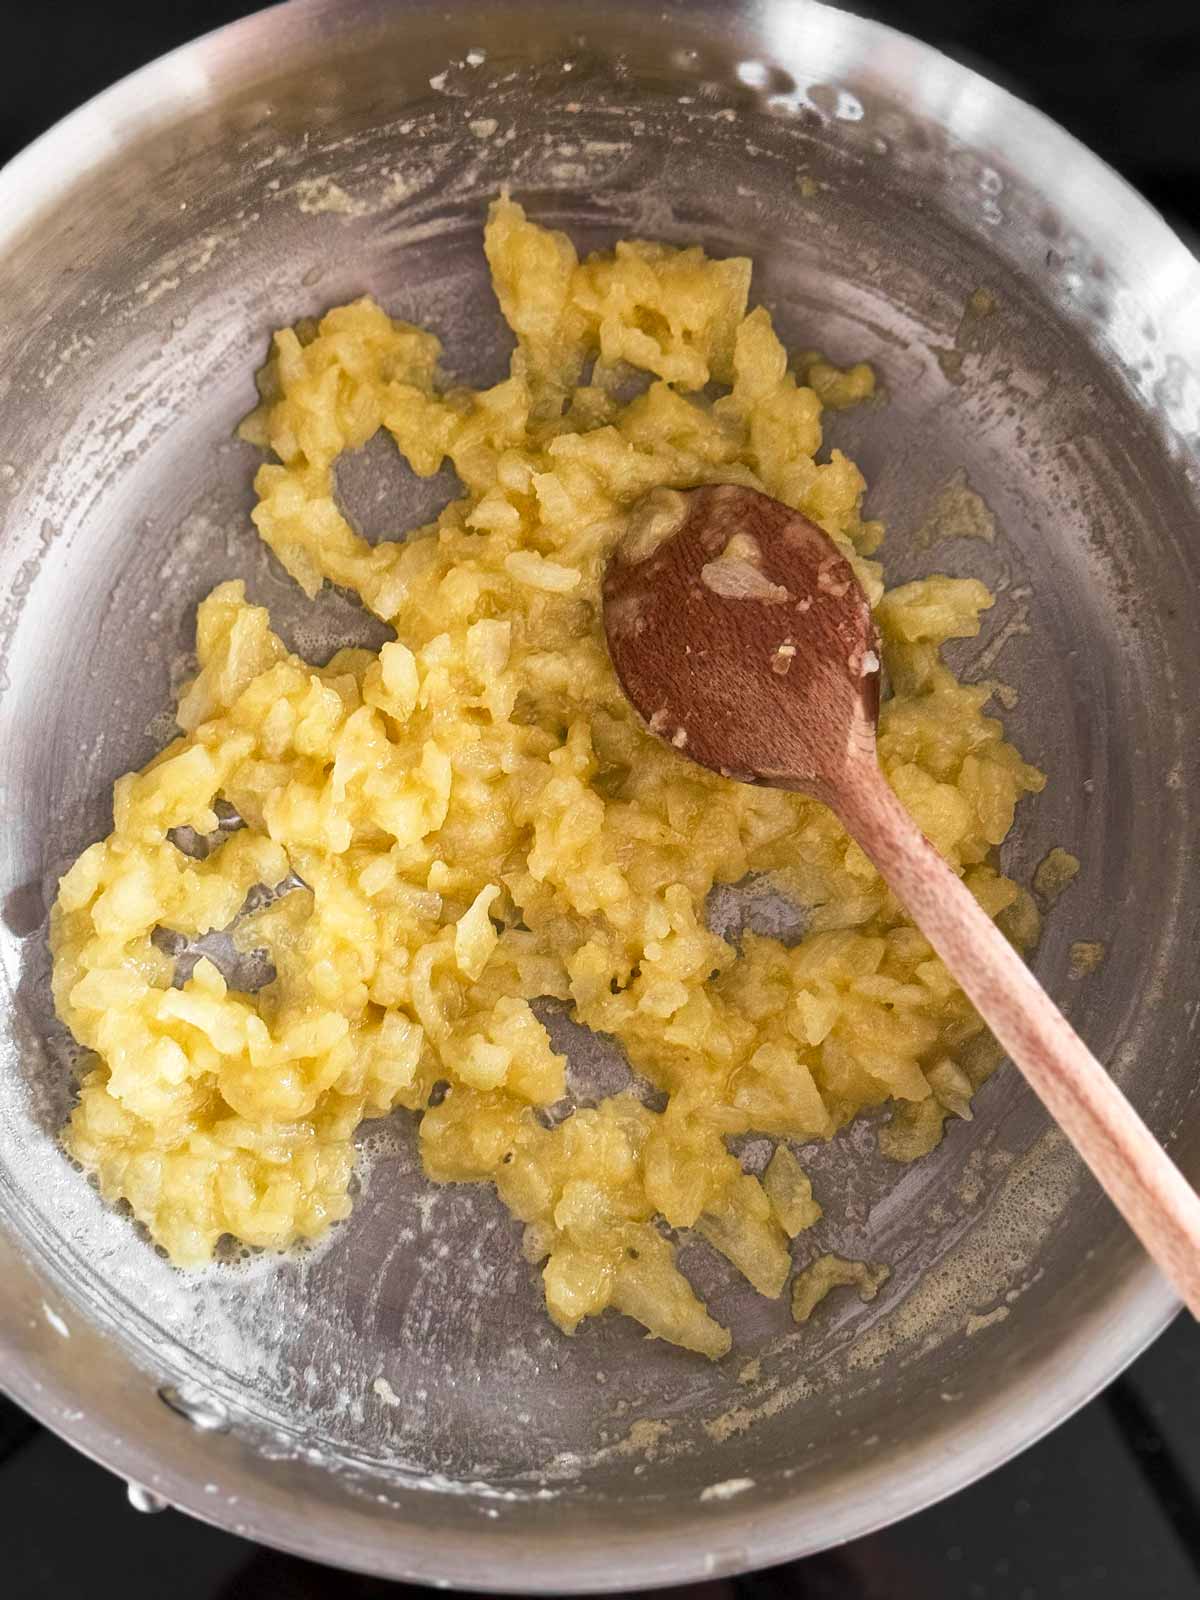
977,1323
726,1489
1014,625
316,195
828,1272
958,512
980,305
1055,873
385,1392
1086,956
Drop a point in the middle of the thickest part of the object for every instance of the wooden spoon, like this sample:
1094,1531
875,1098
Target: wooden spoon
742,637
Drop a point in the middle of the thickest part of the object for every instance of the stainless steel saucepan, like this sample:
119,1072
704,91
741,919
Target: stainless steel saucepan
396,1400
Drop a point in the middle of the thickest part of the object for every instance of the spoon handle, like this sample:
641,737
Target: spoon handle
1143,1183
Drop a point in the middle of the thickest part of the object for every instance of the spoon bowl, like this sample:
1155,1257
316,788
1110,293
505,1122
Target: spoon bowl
741,635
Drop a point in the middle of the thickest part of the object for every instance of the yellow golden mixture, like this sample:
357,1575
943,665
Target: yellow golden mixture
476,819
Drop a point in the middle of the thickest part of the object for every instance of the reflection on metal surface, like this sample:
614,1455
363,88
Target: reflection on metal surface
142,1499
194,1406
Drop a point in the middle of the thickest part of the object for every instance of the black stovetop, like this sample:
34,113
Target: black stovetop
1107,1507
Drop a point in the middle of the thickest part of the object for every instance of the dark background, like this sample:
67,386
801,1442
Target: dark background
1108,1507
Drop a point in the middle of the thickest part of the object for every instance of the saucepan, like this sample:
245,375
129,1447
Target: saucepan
397,1401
